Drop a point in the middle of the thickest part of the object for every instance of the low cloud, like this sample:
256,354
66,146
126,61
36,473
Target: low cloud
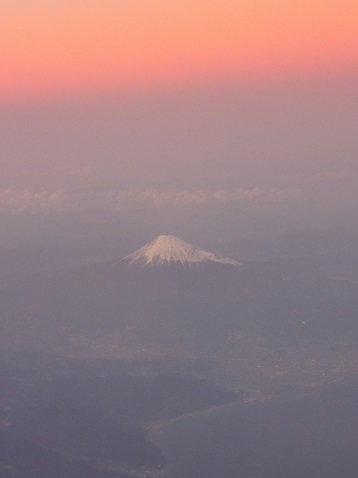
159,198
28,202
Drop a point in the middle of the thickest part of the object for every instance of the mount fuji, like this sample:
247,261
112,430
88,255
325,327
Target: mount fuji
170,250
171,297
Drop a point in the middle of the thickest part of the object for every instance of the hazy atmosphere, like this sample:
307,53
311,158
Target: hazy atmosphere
178,239
121,106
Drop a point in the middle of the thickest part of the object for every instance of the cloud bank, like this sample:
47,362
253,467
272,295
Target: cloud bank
159,198
29,202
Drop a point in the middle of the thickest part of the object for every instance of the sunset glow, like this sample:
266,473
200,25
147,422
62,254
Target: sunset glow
53,47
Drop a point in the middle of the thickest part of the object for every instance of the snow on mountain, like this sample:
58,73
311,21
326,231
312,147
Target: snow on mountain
169,249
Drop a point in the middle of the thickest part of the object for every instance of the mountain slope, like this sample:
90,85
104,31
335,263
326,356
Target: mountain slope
169,249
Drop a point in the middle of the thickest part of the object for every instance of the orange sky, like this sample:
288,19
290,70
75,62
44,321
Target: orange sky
53,47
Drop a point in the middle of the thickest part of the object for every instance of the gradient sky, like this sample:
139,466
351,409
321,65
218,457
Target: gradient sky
51,46
120,105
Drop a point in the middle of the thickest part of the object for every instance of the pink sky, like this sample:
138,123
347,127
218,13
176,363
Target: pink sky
54,47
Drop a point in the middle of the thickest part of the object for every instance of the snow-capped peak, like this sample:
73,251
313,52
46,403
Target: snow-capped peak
172,250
